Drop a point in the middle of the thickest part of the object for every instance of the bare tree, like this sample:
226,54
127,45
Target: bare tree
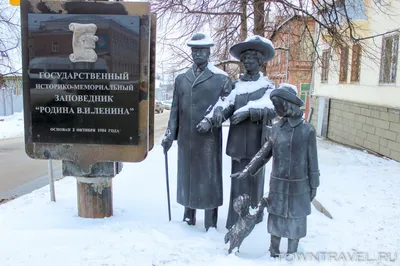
179,20
10,39
231,20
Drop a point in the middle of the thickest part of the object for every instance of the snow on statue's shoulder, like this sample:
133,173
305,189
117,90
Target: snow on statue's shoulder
216,70
252,86
245,87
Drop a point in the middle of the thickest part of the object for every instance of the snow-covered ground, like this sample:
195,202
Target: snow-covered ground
12,126
361,192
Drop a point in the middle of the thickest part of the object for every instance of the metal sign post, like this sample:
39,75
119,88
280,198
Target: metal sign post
51,181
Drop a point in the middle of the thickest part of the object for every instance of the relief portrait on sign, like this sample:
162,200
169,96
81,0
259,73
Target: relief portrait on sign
83,42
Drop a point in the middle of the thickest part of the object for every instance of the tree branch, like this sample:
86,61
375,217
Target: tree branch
376,35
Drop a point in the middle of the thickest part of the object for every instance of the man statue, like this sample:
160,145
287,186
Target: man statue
199,148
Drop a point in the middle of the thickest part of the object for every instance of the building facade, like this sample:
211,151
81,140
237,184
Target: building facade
356,93
114,45
11,95
294,52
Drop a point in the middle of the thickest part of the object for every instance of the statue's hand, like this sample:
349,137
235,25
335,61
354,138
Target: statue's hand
239,117
218,117
264,202
166,143
203,126
240,175
270,114
313,193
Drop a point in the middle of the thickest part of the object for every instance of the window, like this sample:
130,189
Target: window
355,63
344,62
306,49
355,10
54,47
390,45
325,66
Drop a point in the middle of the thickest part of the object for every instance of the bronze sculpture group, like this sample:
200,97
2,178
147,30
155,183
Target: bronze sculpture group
204,97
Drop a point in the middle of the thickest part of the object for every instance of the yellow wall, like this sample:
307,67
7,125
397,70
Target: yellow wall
368,90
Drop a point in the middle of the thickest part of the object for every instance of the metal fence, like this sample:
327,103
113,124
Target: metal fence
11,96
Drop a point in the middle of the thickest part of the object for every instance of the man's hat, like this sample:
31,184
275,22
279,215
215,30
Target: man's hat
258,43
287,92
200,40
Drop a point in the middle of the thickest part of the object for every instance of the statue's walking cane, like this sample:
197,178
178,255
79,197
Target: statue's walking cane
167,180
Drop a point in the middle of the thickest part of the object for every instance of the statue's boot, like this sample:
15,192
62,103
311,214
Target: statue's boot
274,248
292,246
210,218
189,216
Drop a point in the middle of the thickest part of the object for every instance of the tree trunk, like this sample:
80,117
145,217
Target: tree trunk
259,17
243,20
243,25
259,23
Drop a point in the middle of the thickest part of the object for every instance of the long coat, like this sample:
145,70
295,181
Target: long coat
199,154
292,144
245,140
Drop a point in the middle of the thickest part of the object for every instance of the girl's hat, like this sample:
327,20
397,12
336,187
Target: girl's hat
287,92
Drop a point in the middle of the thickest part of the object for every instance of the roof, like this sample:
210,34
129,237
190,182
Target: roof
286,22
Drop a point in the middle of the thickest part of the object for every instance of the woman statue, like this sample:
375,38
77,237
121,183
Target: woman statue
249,108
